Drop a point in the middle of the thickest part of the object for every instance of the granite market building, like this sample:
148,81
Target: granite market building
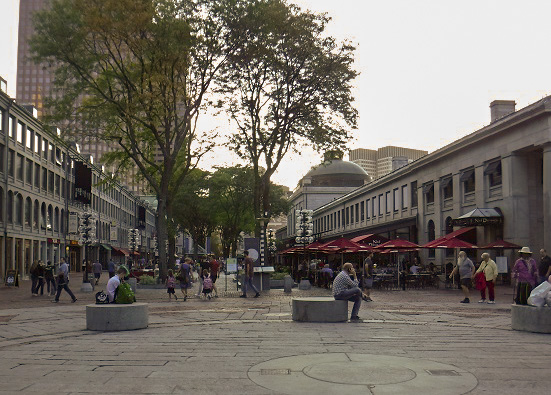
492,184
45,188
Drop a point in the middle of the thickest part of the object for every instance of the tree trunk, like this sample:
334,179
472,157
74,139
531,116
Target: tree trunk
162,235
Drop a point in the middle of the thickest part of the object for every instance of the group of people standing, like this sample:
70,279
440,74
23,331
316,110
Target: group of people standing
56,279
526,274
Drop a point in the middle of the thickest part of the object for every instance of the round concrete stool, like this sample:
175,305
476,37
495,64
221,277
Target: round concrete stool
116,317
320,309
531,318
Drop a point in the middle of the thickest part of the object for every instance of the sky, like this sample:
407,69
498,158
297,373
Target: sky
428,68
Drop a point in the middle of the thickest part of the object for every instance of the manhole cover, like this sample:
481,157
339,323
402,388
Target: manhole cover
275,372
443,373
367,373
350,373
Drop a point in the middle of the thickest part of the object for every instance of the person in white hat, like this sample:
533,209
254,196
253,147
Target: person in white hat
525,272
489,268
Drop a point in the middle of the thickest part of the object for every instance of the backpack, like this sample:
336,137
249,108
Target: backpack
125,295
101,298
170,282
207,283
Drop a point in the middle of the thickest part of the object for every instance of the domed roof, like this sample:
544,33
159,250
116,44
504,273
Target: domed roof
337,173
336,166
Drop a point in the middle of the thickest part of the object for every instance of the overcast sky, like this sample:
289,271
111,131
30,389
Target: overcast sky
429,68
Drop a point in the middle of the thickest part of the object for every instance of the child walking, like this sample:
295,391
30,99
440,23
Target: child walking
170,282
207,284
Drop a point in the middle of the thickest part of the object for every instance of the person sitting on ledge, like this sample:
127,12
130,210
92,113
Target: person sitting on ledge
113,284
346,288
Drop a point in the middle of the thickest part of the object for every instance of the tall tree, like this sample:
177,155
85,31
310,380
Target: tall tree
193,210
288,85
135,73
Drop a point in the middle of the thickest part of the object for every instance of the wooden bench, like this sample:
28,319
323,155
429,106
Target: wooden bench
319,309
531,318
116,317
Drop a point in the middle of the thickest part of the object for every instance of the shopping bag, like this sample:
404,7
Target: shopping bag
480,280
538,294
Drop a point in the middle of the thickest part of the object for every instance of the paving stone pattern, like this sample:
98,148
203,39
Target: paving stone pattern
229,345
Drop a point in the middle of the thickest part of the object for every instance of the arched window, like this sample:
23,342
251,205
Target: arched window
62,222
36,216
431,236
1,205
56,220
449,226
28,211
44,219
19,209
49,217
10,207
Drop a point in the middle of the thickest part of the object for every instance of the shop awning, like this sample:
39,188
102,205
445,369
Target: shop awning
121,251
479,217
106,246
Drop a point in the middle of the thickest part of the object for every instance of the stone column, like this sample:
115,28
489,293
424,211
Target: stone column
547,197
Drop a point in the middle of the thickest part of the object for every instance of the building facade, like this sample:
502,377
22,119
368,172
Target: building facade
380,162
505,166
46,186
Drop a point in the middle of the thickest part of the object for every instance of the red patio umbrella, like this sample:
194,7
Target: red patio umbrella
340,244
449,243
397,244
315,246
500,244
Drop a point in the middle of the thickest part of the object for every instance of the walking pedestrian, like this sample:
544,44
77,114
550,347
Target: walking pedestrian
346,288
525,273
184,276
214,270
50,279
489,269
111,268
170,283
34,278
41,273
465,267
544,268
63,282
207,284
97,271
248,264
367,280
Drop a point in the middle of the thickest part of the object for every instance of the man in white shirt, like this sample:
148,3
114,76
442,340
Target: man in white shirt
114,283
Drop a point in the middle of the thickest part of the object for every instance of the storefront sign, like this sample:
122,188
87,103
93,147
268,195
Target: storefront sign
12,278
477,221
54,241
114,234
74,242
73,223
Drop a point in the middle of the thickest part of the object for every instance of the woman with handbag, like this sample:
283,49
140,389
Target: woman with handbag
487,269
525,273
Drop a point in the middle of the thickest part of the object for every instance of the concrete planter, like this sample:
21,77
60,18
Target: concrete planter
531,318
276,283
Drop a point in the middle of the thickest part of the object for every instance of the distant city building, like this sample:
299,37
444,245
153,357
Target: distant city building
35,83
378,163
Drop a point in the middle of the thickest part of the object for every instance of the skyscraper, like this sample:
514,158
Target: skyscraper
378,163
35,82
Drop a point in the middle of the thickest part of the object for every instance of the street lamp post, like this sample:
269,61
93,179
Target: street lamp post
87,230
304,230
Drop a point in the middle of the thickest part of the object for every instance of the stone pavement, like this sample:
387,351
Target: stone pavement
415,342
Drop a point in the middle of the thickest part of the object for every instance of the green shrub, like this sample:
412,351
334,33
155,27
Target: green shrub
278,275
147,280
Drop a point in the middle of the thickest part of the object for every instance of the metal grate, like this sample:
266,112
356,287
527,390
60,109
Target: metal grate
443,373
275,372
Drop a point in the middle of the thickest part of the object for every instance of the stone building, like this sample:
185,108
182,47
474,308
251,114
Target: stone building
503,169
46,186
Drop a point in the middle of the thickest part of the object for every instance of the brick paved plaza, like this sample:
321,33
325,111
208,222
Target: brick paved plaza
418,341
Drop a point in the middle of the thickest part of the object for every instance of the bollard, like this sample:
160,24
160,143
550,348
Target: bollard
304,284
133,283
287,284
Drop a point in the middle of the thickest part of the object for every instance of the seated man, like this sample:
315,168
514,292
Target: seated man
114,283
345,288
